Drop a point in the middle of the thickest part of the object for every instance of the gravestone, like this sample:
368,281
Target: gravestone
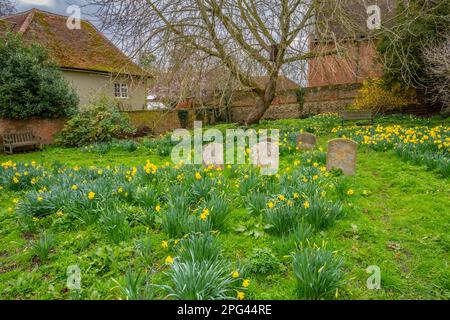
306,141
342,155
213,155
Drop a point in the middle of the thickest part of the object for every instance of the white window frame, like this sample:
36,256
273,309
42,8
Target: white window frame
121,90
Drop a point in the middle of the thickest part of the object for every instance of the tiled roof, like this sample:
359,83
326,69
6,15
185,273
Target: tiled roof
84,49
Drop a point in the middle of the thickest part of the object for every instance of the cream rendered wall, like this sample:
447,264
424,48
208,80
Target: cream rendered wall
90,85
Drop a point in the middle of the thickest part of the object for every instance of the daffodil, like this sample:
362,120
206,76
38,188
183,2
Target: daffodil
91,195
169,260
240,295
246,283
306,205
165,244
235,274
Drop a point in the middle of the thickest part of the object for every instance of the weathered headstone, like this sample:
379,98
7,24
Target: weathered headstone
342,155
213,155
306,141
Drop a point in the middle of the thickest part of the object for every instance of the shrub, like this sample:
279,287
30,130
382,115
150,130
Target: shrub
262,261
375,97
437,57
99,122
318,273
401,46
30,85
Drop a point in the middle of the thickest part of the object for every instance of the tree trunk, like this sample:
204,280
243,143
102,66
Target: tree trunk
263,103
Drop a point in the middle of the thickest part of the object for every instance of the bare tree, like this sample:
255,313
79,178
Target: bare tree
437,58
248,37
7,7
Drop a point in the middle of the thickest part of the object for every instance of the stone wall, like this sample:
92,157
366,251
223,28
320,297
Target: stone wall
158,121
317,100
275,112
47,129
329,98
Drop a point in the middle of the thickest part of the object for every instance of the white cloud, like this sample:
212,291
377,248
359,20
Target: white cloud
46,3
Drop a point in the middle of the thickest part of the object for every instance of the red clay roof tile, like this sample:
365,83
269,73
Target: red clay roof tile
85,49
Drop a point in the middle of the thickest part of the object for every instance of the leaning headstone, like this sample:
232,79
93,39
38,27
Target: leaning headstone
306,141
342,155
213,155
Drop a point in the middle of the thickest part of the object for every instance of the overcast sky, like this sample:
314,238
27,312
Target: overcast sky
55,6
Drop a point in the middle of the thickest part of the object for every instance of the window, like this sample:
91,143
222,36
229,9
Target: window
121,90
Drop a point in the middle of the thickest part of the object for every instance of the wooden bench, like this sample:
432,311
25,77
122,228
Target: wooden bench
357,115
20,139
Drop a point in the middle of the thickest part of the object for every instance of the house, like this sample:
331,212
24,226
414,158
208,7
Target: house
87,59
356,60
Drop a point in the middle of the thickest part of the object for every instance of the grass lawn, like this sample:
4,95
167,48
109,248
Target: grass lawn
395,215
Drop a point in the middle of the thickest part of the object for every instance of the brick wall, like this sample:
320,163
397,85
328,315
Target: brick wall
47,129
